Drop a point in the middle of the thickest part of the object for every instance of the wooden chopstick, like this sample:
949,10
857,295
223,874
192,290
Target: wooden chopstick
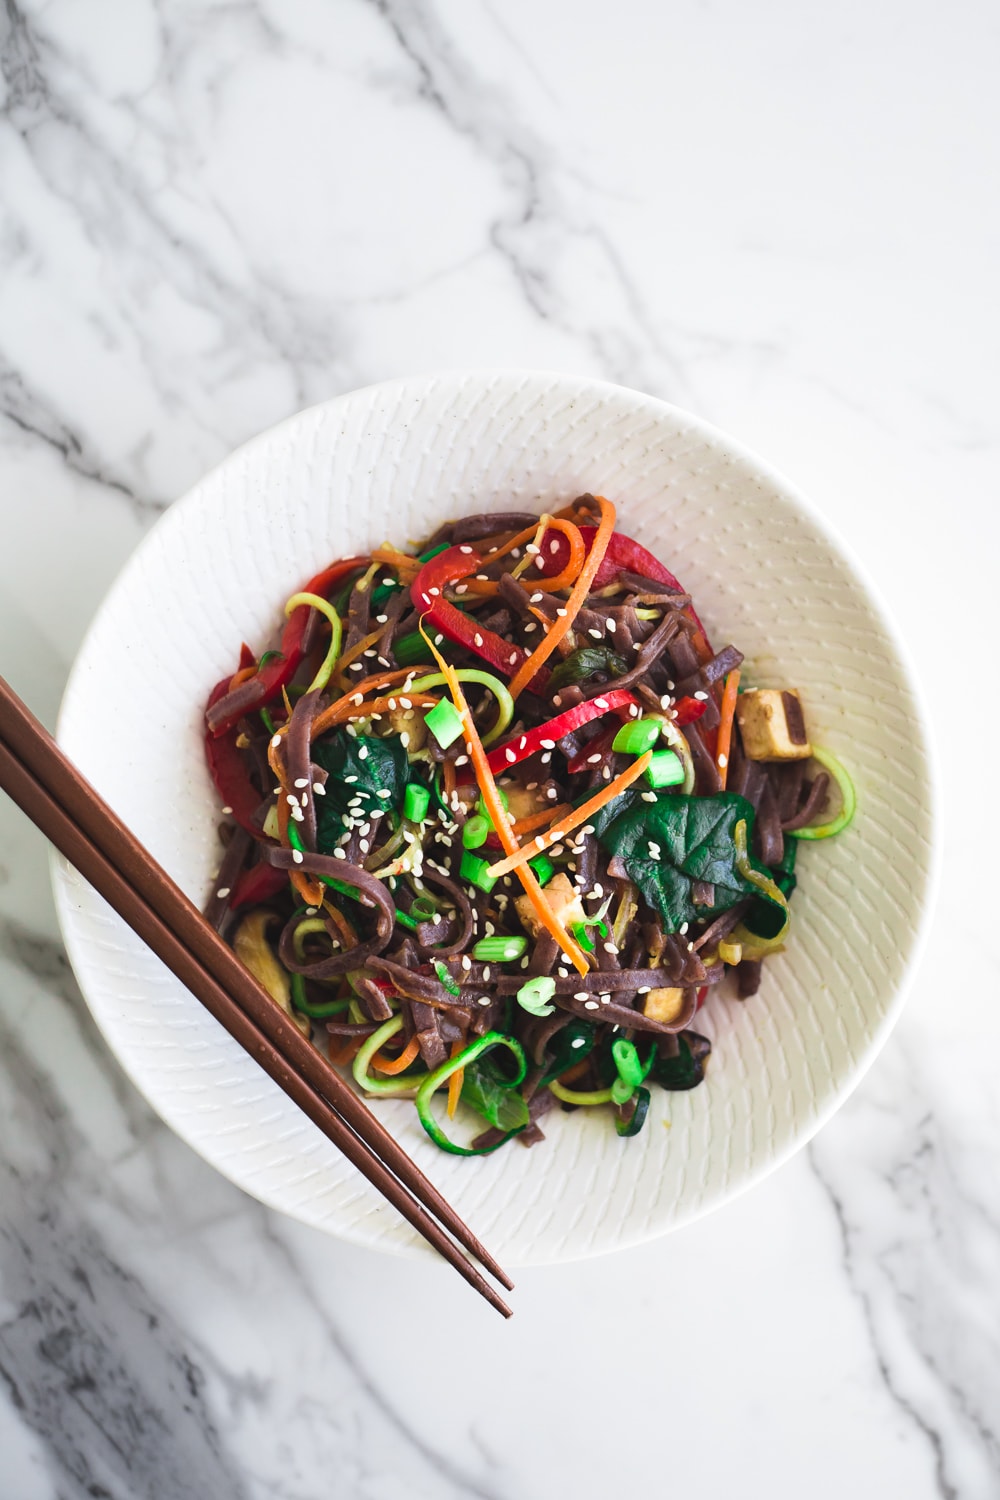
69,813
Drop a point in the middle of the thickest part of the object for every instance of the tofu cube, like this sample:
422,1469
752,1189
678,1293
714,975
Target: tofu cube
664,1005
772,725
521,803
408,721
564,902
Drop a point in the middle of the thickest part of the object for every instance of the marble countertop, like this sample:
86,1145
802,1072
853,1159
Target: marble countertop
780,216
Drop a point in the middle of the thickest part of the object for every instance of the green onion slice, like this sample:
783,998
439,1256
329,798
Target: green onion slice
848,795
534,995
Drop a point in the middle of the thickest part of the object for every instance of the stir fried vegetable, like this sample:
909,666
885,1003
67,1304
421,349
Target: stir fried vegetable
499,820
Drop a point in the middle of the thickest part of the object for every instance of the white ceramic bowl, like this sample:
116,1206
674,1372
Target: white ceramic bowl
766,573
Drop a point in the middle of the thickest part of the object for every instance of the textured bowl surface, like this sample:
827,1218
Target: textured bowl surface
765,573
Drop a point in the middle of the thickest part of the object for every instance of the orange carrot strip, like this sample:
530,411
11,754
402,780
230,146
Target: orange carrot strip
358,649
501,822
724,734
397,1064
241,676
540,819
346,1053
345,709
456,1080
403,562
557,630
574,819
563,580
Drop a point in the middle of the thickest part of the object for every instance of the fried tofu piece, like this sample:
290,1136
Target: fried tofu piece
664,1005
772,725
564,902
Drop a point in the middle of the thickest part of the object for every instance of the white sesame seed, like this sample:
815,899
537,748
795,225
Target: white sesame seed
301,781
591,1005
363,753
297,856
633,710
682,929
551,792
466,961
461,760
319,790
612,625
223,893
546,757
392,703
406,703
536,598
702,697
350,779
381,619
581,995
561,613
648,796
340,853
553,546
356,666
532,550
383,793
434,591
595,633
594,760
486,974
601,702
276,742
511,756
461,588
484,1000
606,773
512,658
723,762
578,1041
404,739
531,786
227,810
644,989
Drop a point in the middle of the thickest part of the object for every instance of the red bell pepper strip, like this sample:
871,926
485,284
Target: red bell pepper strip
622,552
258,884
504,756
596,746
686,710
426,592
229,771
278,671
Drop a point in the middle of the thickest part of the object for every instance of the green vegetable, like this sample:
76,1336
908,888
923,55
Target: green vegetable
433,552
411,650
360,767
614,809
630,1122
316,1009
326,666
441,970
848,795
444,722
416,801
500,950
477,872
621,1092
440,1075
400,1084
534,995
475,831
543,867
270,656
580,932
664,769
585,662
505,703
637,736
571,1096
424,908
570,1045
666,845
266,720
627,1064
489,1092
687,1069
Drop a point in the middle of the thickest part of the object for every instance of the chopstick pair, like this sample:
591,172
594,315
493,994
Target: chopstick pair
46,785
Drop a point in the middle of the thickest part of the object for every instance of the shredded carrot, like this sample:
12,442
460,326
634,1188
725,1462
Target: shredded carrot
540,819
563,580
501,823
346,1053
449,779
349,937
242,676
456,1080
724,734
406,566
345,709
397,1064
574,819
358,649
557,630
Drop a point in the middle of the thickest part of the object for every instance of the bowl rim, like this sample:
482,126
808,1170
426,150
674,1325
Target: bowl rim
923,911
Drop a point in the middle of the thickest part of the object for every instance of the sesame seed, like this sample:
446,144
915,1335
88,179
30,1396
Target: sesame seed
612,625
461,588
340,853
601,702
597,891
594,760
581,995
547,744
486,974
356,666
382,792
370,652
466,961
606,773
644,989
648,796
350,779
561,613
276,742
531,625
434,591
511,756
551,792
557,700
406,703
536,598
297,856
381,619
301,781
478,638
468,550
512,658
357,698
579,1041
363,753
595,633
633,710
702,697
223,893
392,703
227,810
553,547
461,760
484,1000
546,757
591,1005
723,762
531,786
682,929
404,739
532,550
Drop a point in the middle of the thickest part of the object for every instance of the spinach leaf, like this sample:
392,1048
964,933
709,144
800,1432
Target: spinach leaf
668,844
361,767
585,662
687,1069
611,810
490,1094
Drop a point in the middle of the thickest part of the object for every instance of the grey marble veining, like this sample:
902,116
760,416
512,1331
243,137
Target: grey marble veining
212,214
